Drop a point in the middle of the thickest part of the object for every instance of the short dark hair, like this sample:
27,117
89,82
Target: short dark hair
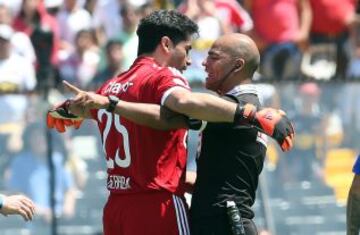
158,24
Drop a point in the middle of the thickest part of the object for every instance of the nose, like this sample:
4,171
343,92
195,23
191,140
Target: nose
204,63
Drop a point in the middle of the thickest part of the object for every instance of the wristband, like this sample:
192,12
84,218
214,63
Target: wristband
244,113
113,101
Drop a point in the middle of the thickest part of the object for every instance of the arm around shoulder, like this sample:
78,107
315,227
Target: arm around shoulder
201,106
151,115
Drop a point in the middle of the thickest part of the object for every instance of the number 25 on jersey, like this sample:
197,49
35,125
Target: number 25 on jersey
114,119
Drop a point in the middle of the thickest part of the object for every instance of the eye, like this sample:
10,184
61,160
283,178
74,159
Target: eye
213,57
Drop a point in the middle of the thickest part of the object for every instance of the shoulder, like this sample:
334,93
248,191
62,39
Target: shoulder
244,89
169,73
244,94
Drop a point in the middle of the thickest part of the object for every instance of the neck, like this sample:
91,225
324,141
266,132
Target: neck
159,59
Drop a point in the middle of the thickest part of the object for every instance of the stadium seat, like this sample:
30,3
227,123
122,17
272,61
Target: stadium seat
337,171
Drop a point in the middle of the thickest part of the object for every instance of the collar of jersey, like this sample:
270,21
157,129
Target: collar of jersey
243,89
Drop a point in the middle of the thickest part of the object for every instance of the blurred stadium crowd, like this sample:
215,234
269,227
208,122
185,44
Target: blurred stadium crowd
310,67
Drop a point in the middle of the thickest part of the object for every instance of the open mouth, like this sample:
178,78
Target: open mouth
209,76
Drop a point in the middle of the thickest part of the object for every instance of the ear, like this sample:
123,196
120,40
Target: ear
166,44
239,64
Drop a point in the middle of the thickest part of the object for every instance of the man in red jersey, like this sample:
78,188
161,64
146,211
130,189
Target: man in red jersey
146,167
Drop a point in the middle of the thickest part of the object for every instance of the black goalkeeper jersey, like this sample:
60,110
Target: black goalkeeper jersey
229,165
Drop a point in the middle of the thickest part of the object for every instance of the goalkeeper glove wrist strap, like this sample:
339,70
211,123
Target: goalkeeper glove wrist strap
245,114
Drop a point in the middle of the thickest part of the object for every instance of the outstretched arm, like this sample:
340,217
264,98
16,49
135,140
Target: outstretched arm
17,204
151,115
208,107
201,106
194,105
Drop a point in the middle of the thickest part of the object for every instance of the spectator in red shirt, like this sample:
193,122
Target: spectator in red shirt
281,29
332,20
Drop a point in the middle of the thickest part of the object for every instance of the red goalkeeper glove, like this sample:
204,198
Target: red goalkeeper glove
60,118
272,122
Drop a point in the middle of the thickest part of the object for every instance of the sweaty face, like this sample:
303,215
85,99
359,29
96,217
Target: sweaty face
179,57
217,65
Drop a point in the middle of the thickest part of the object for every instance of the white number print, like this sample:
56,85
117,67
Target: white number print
110,119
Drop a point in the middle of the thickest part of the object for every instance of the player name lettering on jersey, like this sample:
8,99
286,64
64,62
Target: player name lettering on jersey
118,182
117,87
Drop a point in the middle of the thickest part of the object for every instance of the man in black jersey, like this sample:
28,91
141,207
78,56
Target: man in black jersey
232,156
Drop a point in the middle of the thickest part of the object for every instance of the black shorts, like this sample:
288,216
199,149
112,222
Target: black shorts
218,225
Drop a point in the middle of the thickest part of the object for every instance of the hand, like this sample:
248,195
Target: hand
86,99
270,121
18,204
60,124
72,111
60,118
302,40
276,124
